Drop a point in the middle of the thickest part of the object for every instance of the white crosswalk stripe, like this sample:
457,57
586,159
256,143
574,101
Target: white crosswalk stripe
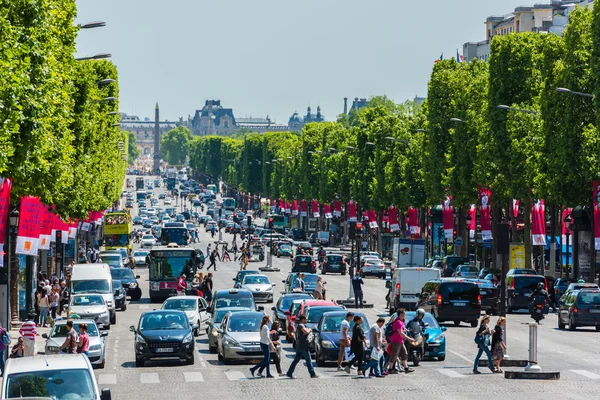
450,373
193,377
235,375
149,378
585,373
107,379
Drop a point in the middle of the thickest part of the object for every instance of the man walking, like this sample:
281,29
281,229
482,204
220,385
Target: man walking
397,342
29,332
344,338
357,283
302,349
213,260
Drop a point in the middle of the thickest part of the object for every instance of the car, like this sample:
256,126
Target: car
304,263
333,263
233,298
57,376
202,219
580,285
229,226
137,220
297,309
163,334
370,254
58,334
486,271
140,258
302,247
128,281
129,204
579,307
147,223
284,249
490,295
239,277
291,316
120,295
373,267
450,263
298,234
148,241
239,336
211,225
282,306
314,313
521,271
519,288
214,323
113,259
191,227
292,283
260,286
167,200
179,218
92,306
451,299
141,203
327,335
186,215
436,338
195,307
466,271
162,196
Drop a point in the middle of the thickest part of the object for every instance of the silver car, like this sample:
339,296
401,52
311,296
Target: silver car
466,271
215,322
90,306
239,336
260,286
58,335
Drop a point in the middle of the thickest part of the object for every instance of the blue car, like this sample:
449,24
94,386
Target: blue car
327,335
436,339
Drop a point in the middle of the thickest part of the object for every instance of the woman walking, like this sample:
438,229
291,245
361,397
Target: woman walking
357,345
482,339
44,306
54,298
277,345
265,345
318,292
498,345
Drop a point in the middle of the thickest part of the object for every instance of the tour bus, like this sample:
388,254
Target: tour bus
212,188
141,195
117,230
229,203
139,182
174,232
166,264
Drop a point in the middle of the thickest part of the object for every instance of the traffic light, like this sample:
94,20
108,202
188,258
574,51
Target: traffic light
270,223
359,228
249,220
352,230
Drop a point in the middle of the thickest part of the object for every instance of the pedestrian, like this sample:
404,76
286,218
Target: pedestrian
29,332
318,292
181,285
344,339
357,345
265,345
482,339
498,345
208,249
213,260
54,298
302,348
64,296
377,341
225,254
196,284
18,350
44,306
208,288
357,283
70,343
275,340
83,344
4,343
397,343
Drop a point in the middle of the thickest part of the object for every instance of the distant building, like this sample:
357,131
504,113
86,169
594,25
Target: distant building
144,131
297,122
550,18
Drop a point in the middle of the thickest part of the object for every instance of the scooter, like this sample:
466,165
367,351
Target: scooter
416,352
538,310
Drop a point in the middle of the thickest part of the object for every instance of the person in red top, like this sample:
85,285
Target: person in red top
29,332
181,285
397,342
83,344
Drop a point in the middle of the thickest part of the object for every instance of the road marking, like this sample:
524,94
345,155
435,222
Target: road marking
149,378
144,306
450,373
202,364
235,376
193,377
460,355
107,379
585,373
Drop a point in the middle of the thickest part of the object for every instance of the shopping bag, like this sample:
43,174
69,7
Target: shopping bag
348,356
376,354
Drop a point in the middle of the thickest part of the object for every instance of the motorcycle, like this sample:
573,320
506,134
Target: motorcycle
416,352
538,309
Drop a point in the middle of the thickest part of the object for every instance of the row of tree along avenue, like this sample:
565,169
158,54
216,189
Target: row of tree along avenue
519,132
62,153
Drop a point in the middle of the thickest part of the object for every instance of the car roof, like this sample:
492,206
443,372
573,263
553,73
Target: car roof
343,312
232,291
247,313
181,298
78,321
161,312
46,362
312,303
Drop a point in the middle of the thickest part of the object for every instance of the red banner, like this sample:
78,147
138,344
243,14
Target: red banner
485,213
448,218
73,229
303,208
473,223
59,225
413,221
596,193
314,205
351,211
516,204
372,216
393,218
327,210
29,226
5,186
337,208
565,228
294,207
46,218
538,224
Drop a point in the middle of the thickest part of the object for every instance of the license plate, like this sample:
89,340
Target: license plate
253,348
482,292
594,311
164,350
460,304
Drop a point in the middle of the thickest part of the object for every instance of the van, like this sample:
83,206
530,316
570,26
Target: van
95,278
407,284
452,299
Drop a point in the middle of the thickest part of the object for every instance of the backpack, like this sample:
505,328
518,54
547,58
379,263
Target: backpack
5,338
389,331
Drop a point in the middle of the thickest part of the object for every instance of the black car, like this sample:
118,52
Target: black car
163,334
450,263
519,288
187,215
451,299
304,247
304,264
490,295
560,287
129,281
580,308
120,296
298,234
333,263
283,306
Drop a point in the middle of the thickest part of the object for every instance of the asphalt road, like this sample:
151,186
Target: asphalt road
574,354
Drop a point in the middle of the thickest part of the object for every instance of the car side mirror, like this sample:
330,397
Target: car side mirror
137,277
388,284
282,281
45,335
425,324
233,279
443,329
103,334
260,308
105,394
194,326
273,309
132,329
418,295
272,284
286,313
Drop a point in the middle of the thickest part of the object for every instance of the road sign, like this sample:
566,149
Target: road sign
459,241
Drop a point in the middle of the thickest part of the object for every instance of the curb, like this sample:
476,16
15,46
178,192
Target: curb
350,304
541,375
506,363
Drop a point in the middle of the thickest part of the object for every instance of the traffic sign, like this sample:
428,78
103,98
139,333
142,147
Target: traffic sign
459,241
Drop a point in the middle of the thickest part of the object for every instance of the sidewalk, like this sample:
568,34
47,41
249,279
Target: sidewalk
40,342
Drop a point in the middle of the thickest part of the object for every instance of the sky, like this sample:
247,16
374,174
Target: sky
274,57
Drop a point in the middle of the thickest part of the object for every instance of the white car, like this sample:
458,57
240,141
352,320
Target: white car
260,286
195,307
92,306
168,200
148,241
139,257
58,335
57,376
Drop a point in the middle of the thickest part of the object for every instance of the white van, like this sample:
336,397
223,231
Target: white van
94,278
407,284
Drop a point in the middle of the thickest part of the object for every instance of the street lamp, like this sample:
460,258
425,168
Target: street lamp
113,113
98,56
351,148
103,82
369,144
116,124
14,266
91,25
421,130
507,108
567,220
106,99
569,91
458,120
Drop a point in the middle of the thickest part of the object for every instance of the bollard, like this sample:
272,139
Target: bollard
532,365
506,356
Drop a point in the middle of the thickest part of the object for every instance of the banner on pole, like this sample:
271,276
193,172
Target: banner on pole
337,208
448,218
5,187
393,219
315,209
327,211
46,218
596,193
303,208
29,226
538,224
485,213
351,211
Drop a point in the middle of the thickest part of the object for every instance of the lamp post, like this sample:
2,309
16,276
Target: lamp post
92,25
98,56
440,235
567,222
468,220
14,266
507,108
574,93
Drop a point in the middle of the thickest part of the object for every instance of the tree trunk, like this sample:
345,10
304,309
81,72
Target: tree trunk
527,235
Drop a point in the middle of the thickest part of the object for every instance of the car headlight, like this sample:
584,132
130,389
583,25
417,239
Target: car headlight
188,338
53,349
109,303
230,342
438,338
327,344
139,339
269,289
95,347
133,284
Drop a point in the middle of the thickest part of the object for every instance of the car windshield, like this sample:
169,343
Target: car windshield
256,280
52,384
468,269
334,259
315,313
122,273
242,274
522,271
527,282
87,301
220,314
455,290
62,329
140,253
310,279
285,246
592,298
110,258
91,286
116,240
238,301
286,301
163,321
148,237
304,259
244,323
334,322
179,304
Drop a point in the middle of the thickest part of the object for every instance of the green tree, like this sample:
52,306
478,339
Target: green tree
174,145
132,151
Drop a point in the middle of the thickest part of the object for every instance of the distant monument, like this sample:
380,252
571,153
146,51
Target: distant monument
156,166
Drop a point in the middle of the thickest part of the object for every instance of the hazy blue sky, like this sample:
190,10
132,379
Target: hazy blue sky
277,56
